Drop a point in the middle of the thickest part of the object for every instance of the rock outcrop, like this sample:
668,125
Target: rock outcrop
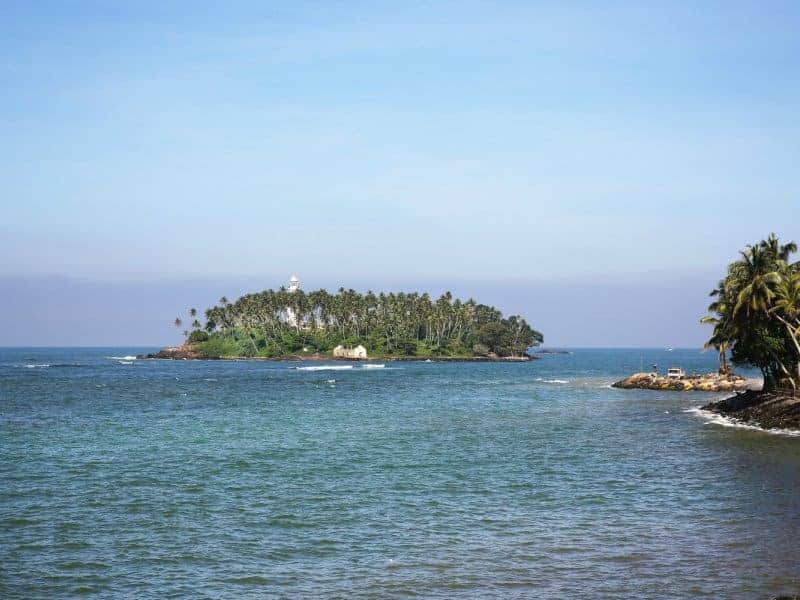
770,410
176,353
709,382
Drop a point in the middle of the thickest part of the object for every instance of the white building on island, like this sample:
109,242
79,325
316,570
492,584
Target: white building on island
359,352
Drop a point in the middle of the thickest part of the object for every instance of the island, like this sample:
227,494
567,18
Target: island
291,324
756,317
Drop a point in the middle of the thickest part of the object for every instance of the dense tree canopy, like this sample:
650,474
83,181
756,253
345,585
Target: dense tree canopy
756,313
277,323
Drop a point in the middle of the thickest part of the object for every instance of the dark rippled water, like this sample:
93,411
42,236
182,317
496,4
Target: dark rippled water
241,479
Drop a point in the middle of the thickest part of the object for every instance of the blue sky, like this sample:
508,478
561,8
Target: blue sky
522,152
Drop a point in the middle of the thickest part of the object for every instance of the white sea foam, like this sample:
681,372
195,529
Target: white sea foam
325,368
125,362
374,366
127,357
552,380
712,418
48,365
593,382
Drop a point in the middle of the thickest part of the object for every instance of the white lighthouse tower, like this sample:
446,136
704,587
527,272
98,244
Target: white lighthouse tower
294,285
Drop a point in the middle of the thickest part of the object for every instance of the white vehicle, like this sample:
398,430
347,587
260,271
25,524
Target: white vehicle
675,373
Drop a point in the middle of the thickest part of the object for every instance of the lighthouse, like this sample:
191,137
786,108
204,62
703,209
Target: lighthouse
294,285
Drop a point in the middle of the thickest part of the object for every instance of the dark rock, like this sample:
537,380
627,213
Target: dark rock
771,410
184,352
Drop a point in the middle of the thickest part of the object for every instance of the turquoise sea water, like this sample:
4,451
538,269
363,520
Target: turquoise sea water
240,479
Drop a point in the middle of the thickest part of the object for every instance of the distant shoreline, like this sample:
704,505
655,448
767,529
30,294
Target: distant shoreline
186,353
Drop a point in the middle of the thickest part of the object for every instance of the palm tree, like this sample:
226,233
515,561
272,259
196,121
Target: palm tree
754,299
178,322
743,301
773,247
760,278
786,309
718,341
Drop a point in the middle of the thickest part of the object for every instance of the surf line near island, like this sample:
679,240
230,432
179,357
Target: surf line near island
339,367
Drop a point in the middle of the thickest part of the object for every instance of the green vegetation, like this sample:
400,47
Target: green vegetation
756,313
283,323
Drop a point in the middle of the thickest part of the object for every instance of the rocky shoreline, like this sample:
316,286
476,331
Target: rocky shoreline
769,410
710,382
186,352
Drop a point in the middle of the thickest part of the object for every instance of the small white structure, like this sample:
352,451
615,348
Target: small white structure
675,373
359,352
294,283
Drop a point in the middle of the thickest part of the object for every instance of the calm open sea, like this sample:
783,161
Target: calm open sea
240,479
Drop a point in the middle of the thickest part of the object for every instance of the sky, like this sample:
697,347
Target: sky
590,165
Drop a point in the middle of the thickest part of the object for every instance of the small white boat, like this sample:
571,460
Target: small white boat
668,349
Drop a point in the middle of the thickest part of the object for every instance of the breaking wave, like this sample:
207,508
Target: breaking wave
50,365
325,368
341,367
712,418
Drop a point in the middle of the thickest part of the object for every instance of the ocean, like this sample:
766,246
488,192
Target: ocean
189,479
